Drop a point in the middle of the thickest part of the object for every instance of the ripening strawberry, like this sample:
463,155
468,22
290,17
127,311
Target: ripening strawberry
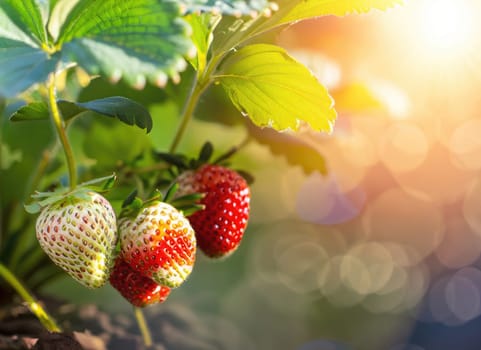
159,243
220,226
80,235
139,290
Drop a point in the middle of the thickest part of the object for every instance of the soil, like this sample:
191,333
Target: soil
20,330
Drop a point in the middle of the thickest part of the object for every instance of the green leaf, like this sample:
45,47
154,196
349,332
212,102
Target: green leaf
274,90
39,111
139,41
29,16
126,110
233,32
309,9
205,152
292,147
135,40
226,7
32,111
22,66
22,33
202,28
171,191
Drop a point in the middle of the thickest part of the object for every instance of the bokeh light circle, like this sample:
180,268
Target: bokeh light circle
403,147
465,144
472,206
399,217
461,246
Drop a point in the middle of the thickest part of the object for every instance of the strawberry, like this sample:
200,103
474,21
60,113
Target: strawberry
139,290
220,226
159,243
79,235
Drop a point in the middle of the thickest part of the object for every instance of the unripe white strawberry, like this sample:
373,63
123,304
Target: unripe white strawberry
159,243
79,235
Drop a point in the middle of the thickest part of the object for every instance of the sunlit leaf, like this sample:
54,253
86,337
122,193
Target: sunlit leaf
29,16
356,98
202,27
135,40
316,8
138,41
233,32
274,90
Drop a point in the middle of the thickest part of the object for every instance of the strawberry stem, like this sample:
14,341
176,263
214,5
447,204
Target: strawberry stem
203,78
189,107
45,319
144,329
62,134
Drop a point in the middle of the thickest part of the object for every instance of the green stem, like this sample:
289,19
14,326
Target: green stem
187,113
144,329
62,134
44,318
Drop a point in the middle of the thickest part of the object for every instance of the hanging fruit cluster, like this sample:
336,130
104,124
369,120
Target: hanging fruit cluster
151,246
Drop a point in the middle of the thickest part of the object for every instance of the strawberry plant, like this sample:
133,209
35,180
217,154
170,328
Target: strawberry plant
65,124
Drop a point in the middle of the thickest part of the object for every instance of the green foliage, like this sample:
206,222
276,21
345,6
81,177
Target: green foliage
8,157
233,32
33,111
30,150
142,43
274,90
111,144
202,27
21,66
126,110
134,40
294,149
308,9
29,17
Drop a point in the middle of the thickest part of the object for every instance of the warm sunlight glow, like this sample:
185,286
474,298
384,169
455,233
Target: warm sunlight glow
447,25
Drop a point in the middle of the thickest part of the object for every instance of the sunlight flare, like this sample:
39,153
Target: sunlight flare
447,26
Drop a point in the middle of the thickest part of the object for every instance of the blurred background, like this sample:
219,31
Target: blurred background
382,251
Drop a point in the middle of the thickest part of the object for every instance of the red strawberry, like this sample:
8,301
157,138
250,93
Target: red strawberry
159,243
137,289
220,226
79,235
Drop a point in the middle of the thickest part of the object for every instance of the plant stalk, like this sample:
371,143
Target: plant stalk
189,108
45,319
62,134
144,329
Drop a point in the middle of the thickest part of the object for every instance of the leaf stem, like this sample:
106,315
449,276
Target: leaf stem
188,111
62,134
144,329
47,321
